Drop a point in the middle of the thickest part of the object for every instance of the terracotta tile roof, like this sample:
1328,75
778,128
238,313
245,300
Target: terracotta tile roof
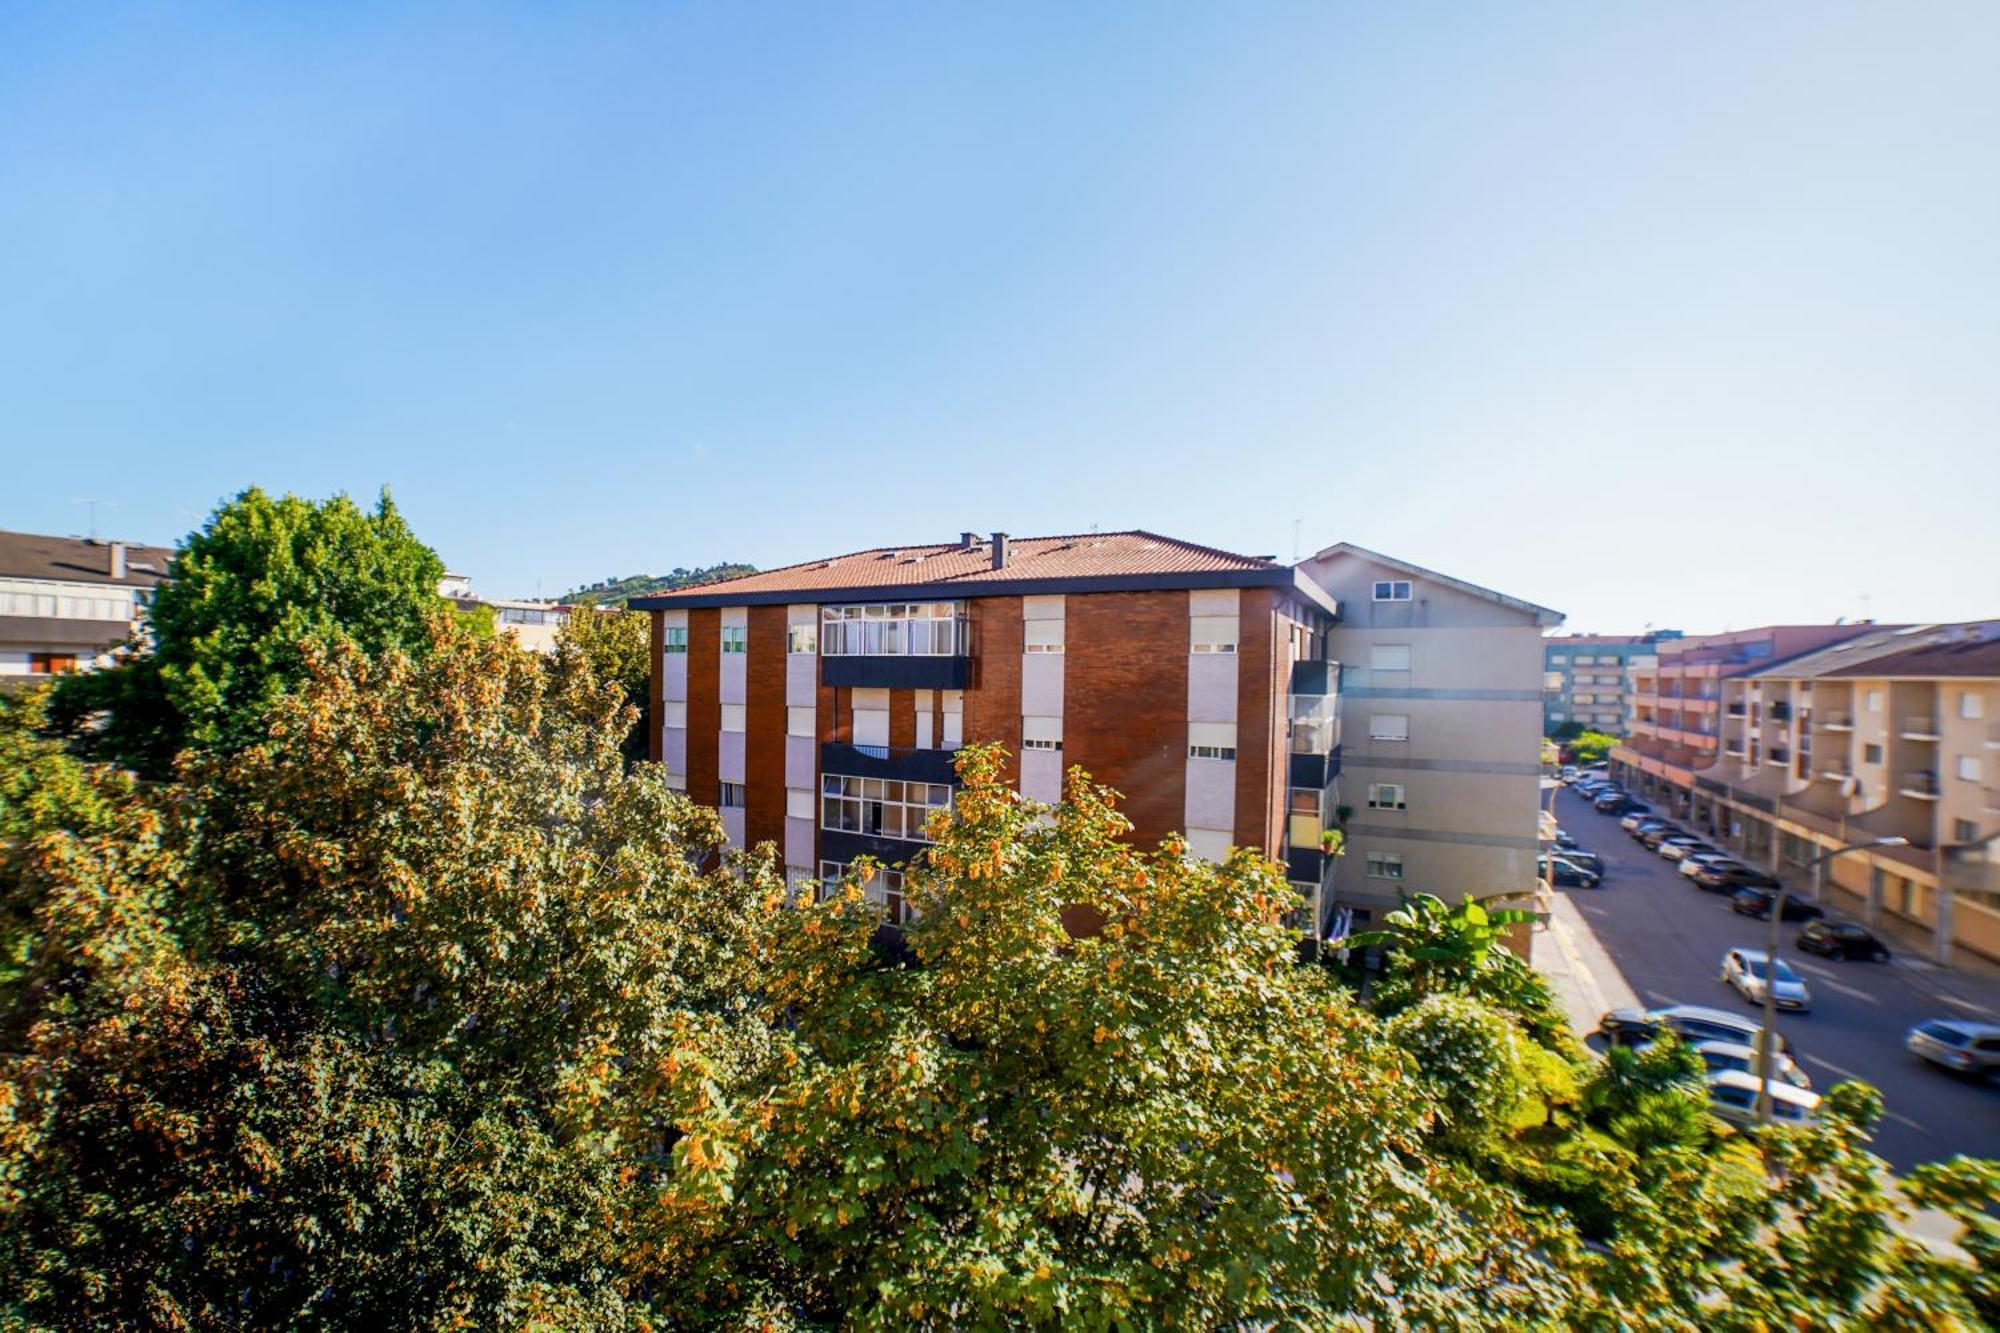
28,555
951,566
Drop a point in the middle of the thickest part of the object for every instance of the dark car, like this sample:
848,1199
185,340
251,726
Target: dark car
1567,873
1757,903
1645,826
1611,803
1653,837
1842,939
1729,878
1576,856
1633,807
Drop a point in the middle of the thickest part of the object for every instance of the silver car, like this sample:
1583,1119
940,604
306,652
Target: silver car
1725,1056
1749,972
1957,1044
1732,1096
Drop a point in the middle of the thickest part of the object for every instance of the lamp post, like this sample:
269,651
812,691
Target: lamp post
1768,1037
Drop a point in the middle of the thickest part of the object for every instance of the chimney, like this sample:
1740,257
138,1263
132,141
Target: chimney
999,550
967,540
118,560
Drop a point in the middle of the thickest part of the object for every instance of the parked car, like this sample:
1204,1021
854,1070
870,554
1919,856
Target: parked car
1757,903
1958,1044
1842,939
1747,969
1645,826
1564,839
1576,856
1694,861
1633,807
1636,816
1728,879
1567,873
1732,1096
1611,803
1653,837
1691,1022
1677,840
1570,773
1674,850
1721,1056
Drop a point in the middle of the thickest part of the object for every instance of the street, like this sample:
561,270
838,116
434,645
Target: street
1668,937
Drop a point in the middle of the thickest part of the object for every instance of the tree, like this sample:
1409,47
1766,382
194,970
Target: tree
227,633
1166,1123
1590,747
1567,731
619,648
373,1021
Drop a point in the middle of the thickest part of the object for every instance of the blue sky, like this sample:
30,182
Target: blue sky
1685,315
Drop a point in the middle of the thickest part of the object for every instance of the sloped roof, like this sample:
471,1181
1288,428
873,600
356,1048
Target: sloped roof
1970,649
1099,560
1542,614
28,555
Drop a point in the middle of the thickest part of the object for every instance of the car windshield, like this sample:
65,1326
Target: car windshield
1755,967
1950,1036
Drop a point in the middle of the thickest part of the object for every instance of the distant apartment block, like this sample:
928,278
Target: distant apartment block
1883,731
532,624
818,706
65,602
1442,701
1587,677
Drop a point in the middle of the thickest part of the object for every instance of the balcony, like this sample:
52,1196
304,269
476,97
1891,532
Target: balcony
904,763
1781,711
1698,703
1315,771
1921,785
1838,771
1736,710
1837,722
923,646
1919,727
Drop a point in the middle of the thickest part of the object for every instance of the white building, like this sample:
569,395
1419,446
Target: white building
66,602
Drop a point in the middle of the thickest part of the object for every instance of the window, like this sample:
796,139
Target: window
1211,634
1212,740
802,639
1041,733
798,803
1874,698
895,629
1971,706
1963,830
1211,752
1871,754
1388,727
733,717
1390,657
1385,865
1033,743
732,796
1393,590
51,664
735,638
1969,768
883,807
885,888
1387,796
676,640
801,722
1042,636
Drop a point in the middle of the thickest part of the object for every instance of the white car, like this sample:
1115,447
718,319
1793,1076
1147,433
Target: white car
1721,1057
1732,1096
1694,861
1745,969
1632,821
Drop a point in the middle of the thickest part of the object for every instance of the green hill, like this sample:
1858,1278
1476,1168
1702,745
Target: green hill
610,592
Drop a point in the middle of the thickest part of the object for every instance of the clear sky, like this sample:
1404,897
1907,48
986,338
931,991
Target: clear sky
1675,314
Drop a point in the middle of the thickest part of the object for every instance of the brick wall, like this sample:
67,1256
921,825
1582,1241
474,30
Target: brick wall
1262,650
704,704
993,702
1125,694
764,723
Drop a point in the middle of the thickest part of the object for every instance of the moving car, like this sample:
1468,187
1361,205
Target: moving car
1747,969
1757,903
1567,873
1842,939
1958,1044
1732,1096
1691,1022
1728,879
1722,1056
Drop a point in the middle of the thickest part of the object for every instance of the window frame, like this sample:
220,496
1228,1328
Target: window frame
1400,590
1401,800
1386,865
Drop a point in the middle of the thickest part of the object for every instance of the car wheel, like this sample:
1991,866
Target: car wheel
1879,956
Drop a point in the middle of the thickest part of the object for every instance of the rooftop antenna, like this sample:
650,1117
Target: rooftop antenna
93,503
1295,541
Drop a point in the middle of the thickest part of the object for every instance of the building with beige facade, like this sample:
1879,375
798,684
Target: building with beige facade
66,602
1441,687
1891,731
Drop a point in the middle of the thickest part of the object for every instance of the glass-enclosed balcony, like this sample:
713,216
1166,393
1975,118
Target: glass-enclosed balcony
1313,724
896,645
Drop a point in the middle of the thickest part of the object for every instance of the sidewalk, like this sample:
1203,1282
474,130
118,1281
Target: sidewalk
1579,968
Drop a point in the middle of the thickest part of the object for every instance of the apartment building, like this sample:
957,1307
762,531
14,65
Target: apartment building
1890,732
818,705
1587,676
66,602
1441,748
531,624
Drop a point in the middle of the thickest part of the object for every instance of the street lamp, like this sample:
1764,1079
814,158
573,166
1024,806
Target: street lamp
1767,1037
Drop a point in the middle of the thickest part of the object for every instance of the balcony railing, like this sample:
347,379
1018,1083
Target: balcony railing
1920,727
1922,782
1836,722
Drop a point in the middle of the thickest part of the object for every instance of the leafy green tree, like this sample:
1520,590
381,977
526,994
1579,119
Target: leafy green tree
1590,747
1467,1057
228,632
1163,1123
373,1022
619,648
1430,947
1567,731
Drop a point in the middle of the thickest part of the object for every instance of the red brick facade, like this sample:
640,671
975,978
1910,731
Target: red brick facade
704,704
1262,664
993,704
764,723
1125,701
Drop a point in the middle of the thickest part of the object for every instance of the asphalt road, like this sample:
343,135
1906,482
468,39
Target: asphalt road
1668,938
